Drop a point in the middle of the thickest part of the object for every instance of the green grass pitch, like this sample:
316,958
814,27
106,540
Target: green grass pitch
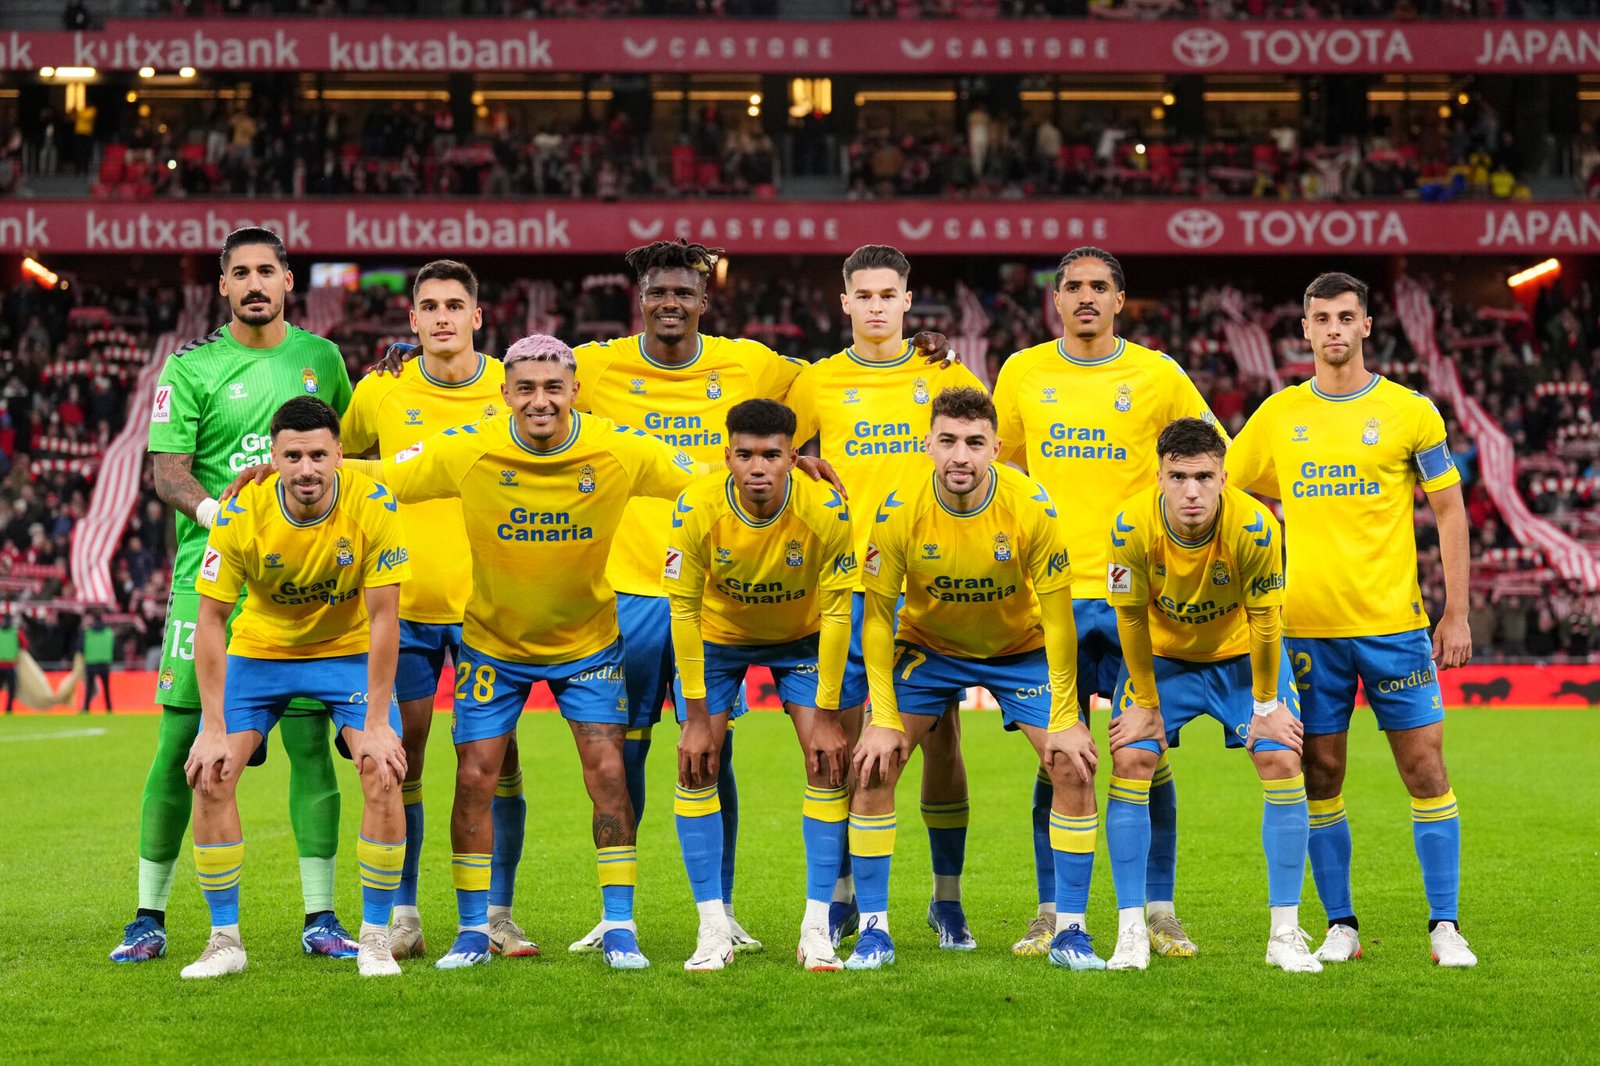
1529,796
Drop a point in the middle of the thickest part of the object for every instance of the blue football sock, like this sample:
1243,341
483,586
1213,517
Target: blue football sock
1436,831
728,789
700,836
871,852
380,877
1128,838
1161,871
947,842
824,827
1328,846
411,795
634,749
1285,826
510,813
218,867
1044,863
1072,838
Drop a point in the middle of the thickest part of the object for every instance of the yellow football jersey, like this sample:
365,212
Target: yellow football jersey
1346,468
1196,589
1087,432
685,406
388,414
540,525
759,580
304,580
871,420
970,579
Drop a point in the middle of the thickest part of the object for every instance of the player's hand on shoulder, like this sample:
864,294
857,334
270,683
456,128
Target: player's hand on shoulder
935,348
1136,723
256,474
395,358
1280,726
821,470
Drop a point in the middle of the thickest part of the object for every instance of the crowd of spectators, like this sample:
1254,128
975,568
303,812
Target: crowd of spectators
68,357
1018,156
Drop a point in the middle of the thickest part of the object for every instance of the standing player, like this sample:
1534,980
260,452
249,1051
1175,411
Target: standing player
978,551
1345,452
867,406
450,384
213,404
1081,415
543,492
1196,578
759,570
322,556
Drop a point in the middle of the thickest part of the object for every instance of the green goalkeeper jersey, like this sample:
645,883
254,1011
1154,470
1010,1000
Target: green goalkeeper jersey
215,400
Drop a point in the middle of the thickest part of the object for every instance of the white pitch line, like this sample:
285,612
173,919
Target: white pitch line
65,734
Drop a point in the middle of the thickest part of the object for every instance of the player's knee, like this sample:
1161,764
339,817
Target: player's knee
1137,764
1324,772
1424,774
1277,765
475,778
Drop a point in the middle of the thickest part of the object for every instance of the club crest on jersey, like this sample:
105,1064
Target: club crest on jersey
792,555
167,680
930,551
308,378
1002,548
1049,395
274,561
852,395
508,477
345,556
1161,570
724,555
1300,434
1219,573
636,386
1124,401
586,479
919,390
713,385
413,416
490,411
236,391
1370,434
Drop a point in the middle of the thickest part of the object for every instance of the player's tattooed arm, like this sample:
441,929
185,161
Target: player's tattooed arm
175,484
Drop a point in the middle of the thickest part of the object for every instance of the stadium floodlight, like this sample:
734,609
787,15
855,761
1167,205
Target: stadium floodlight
147,72
36,270
67,73
186,72
1534,273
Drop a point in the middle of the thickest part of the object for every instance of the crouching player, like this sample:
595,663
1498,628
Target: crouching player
759,571
988,601
1186,556
321,555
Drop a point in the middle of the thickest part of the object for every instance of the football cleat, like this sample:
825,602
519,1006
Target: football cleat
620,946
816,952
470,949
1450,947
844,919
405,939
713,948
1036,941
743,942
1290,950
1168,939
1072,948
590,941
1340,945
223,955
948,919
874,950
326,936
1133,949
507,938
373,957
143,939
